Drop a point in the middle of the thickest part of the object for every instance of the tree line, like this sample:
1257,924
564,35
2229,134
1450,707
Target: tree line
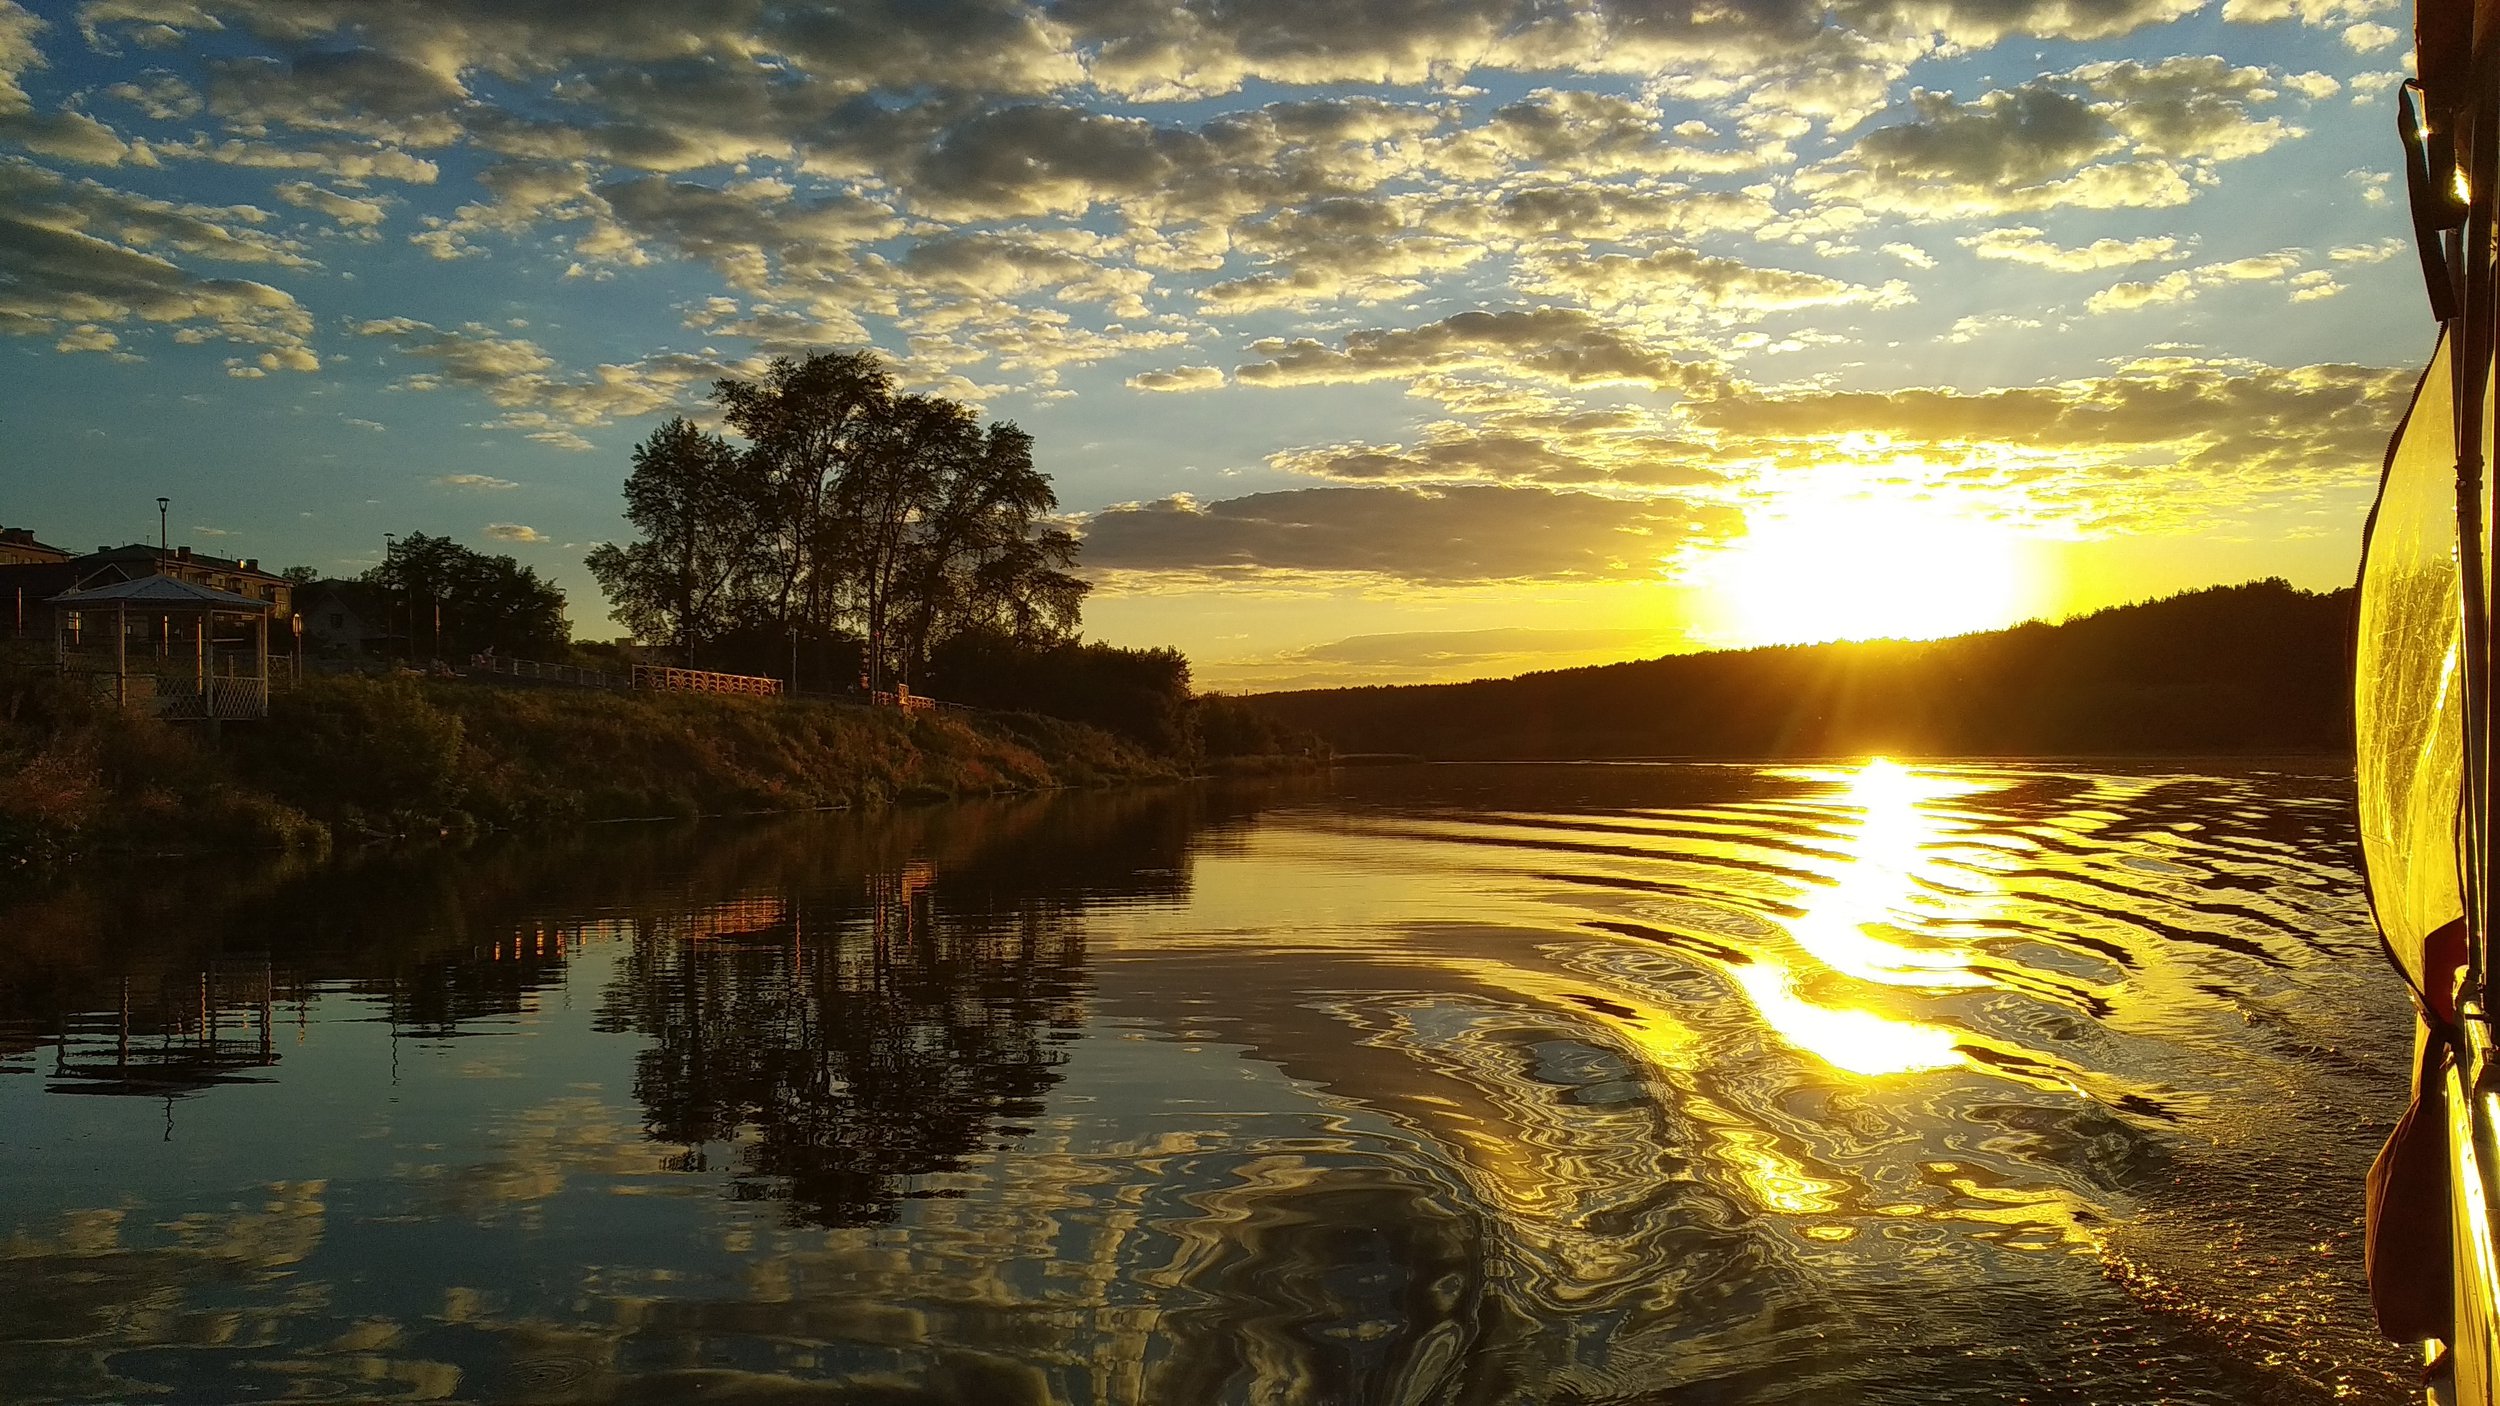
854,525
2256,668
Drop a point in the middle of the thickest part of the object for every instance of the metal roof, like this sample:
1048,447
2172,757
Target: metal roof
161,593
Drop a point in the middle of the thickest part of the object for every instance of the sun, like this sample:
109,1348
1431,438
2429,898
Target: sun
1856,567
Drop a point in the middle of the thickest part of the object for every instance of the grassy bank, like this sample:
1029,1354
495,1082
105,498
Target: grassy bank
355,759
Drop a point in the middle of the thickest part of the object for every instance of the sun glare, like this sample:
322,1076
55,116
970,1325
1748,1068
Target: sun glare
1854,567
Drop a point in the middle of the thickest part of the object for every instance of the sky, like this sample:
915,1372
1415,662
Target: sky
1366,341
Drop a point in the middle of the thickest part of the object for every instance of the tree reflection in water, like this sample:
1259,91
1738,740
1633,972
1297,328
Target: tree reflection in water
841,1046
834,1005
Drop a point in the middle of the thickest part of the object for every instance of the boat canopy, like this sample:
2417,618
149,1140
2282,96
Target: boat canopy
2409,684
2444,35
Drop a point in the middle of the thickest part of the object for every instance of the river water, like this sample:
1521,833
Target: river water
1430,1084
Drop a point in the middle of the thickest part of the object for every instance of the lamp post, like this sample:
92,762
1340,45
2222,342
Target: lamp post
390,595
161,543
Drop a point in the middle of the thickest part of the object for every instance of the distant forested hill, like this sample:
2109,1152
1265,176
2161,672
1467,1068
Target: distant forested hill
2259,668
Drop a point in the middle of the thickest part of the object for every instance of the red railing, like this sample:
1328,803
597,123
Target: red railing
547,673
661,678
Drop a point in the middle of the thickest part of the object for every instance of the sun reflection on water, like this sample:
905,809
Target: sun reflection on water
1886,868
1859,1041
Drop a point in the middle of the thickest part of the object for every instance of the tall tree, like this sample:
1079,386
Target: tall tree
977,561
460,601
850,508
800,423
705,512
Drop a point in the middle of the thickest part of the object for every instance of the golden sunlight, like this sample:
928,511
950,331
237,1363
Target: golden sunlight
1825,567
1884,871
1840,925
1858,1041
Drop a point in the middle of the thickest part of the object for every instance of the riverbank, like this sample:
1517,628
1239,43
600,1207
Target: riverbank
354,759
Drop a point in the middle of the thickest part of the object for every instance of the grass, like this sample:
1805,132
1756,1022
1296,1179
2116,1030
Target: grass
358,758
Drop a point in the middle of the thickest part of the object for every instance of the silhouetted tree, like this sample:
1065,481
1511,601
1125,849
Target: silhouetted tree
704,511
1140,694
481,601
852,513
802,422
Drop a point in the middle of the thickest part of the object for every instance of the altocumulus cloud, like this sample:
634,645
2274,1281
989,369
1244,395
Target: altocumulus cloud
1443,535
1544,220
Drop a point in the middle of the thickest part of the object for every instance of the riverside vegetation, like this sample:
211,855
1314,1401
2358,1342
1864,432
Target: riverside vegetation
368,758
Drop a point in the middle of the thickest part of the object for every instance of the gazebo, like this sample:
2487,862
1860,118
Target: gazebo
163,681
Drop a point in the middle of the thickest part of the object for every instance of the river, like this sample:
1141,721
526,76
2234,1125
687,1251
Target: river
1600,1083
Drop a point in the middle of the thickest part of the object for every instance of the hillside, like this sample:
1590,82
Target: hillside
361,759
2257,668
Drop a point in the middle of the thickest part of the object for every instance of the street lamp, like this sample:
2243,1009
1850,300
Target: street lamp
161,544
390,596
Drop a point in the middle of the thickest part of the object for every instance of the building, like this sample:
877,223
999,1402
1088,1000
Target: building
344,617
32,573
107,565
18,547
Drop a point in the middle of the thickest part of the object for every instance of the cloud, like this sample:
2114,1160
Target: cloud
342,161
745,227
2321,14
68,136
1153,49
1978,325
75,252
514,532
1565,345
1682,285
1614,213
353,212
87,337
484,482
385,97
2103,136
1593,450
1336,250
1070,265
1432,649
1418,656
538,399
18,54
1179,378
2374,252
1441,535
164,97
2021,244
2155,442
2181,285
1589,135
